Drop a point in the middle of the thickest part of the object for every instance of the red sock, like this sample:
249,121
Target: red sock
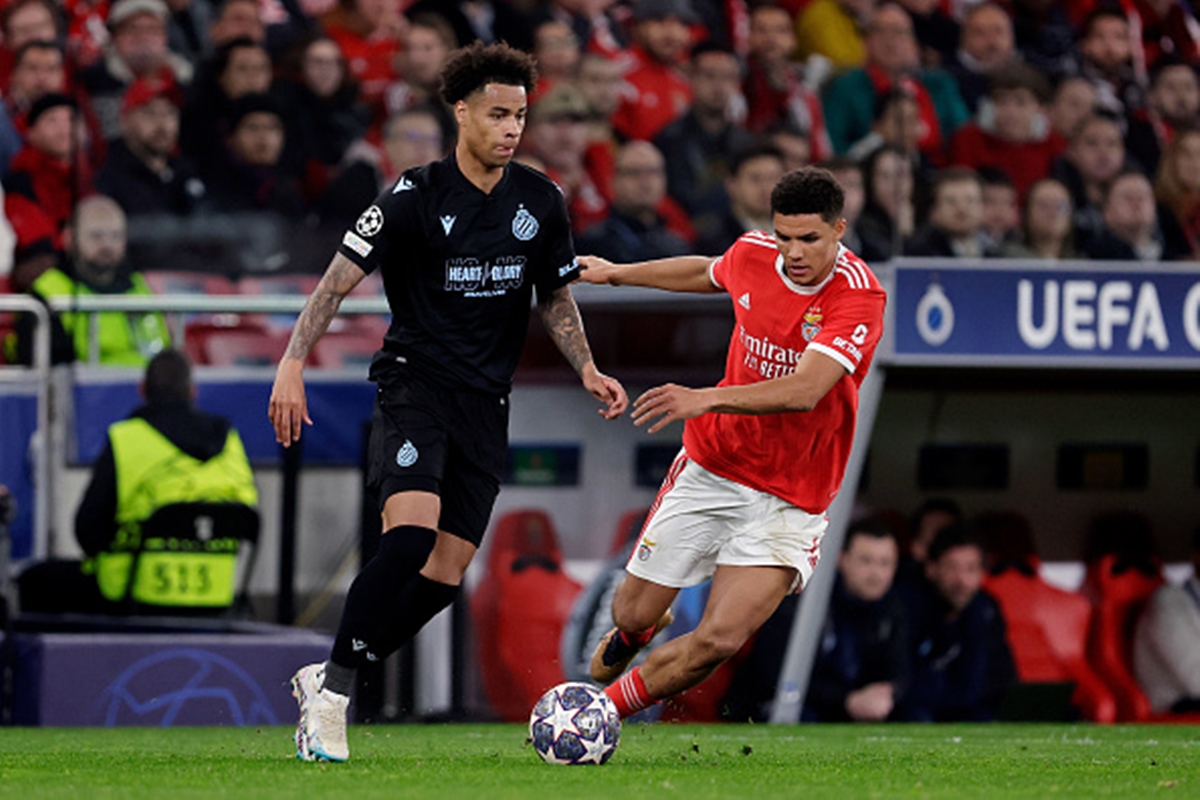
629,693
639,639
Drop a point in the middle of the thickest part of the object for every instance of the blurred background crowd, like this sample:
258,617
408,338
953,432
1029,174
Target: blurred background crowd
239,137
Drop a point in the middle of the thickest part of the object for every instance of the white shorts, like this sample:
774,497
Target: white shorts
700,520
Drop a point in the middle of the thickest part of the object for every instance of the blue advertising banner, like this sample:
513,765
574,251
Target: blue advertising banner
18,424
1022,314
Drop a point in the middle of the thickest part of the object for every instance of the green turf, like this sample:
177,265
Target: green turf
661,761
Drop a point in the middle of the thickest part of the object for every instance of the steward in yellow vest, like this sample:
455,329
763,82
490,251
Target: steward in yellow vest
166,453
95,264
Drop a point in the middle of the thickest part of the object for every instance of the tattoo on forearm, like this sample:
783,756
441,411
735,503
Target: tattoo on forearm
561,317
318,312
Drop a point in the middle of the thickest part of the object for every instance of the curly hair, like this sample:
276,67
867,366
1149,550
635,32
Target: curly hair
809,190
470,68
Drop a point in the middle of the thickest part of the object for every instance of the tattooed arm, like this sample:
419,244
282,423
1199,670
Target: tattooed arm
288,407
561,317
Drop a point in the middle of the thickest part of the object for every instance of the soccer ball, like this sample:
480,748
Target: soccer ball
574,723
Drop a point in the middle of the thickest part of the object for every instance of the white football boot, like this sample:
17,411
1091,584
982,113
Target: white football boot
321,734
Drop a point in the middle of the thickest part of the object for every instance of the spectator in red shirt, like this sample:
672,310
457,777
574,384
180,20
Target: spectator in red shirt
38,70
1168,30
369,33
774,85
1011,133
47,171
557,134
656,91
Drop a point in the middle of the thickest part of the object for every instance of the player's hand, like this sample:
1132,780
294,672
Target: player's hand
668,403
872,703
607,390
594,269
288,407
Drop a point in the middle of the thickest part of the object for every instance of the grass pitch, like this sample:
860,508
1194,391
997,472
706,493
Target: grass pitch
660,761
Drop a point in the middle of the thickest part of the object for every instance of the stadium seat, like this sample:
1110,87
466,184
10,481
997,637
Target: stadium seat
238,347
1118,593
518,611
1048,632
349,349
290,284
178,282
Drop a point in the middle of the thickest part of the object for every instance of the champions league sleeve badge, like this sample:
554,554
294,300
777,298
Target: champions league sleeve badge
370,222
524,225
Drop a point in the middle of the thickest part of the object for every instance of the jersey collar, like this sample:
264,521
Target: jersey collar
807,291
452,161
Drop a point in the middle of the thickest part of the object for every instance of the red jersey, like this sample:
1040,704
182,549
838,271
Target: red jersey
653,96
799,457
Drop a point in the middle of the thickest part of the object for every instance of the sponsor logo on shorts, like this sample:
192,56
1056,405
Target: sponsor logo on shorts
370,222
357,243
407,455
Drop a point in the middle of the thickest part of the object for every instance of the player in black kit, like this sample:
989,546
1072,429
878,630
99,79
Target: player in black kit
461,244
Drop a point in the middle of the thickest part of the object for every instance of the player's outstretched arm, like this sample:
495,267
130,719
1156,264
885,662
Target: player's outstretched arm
561,317
815,375
288,407
676,274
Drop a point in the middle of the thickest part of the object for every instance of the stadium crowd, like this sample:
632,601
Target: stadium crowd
241,137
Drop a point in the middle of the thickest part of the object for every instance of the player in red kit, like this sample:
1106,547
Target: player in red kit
764,450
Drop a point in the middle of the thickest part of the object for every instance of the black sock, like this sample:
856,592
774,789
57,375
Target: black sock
338,678
373,597
419,601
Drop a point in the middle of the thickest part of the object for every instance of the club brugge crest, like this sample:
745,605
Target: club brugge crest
524,225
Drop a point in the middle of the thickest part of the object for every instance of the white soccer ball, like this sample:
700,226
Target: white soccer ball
574,723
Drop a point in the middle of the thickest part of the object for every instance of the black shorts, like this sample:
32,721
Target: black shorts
452,443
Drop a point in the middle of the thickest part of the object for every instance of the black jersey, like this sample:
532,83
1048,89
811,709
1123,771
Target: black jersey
459,267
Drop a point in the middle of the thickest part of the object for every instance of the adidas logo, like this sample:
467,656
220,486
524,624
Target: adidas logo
744,301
